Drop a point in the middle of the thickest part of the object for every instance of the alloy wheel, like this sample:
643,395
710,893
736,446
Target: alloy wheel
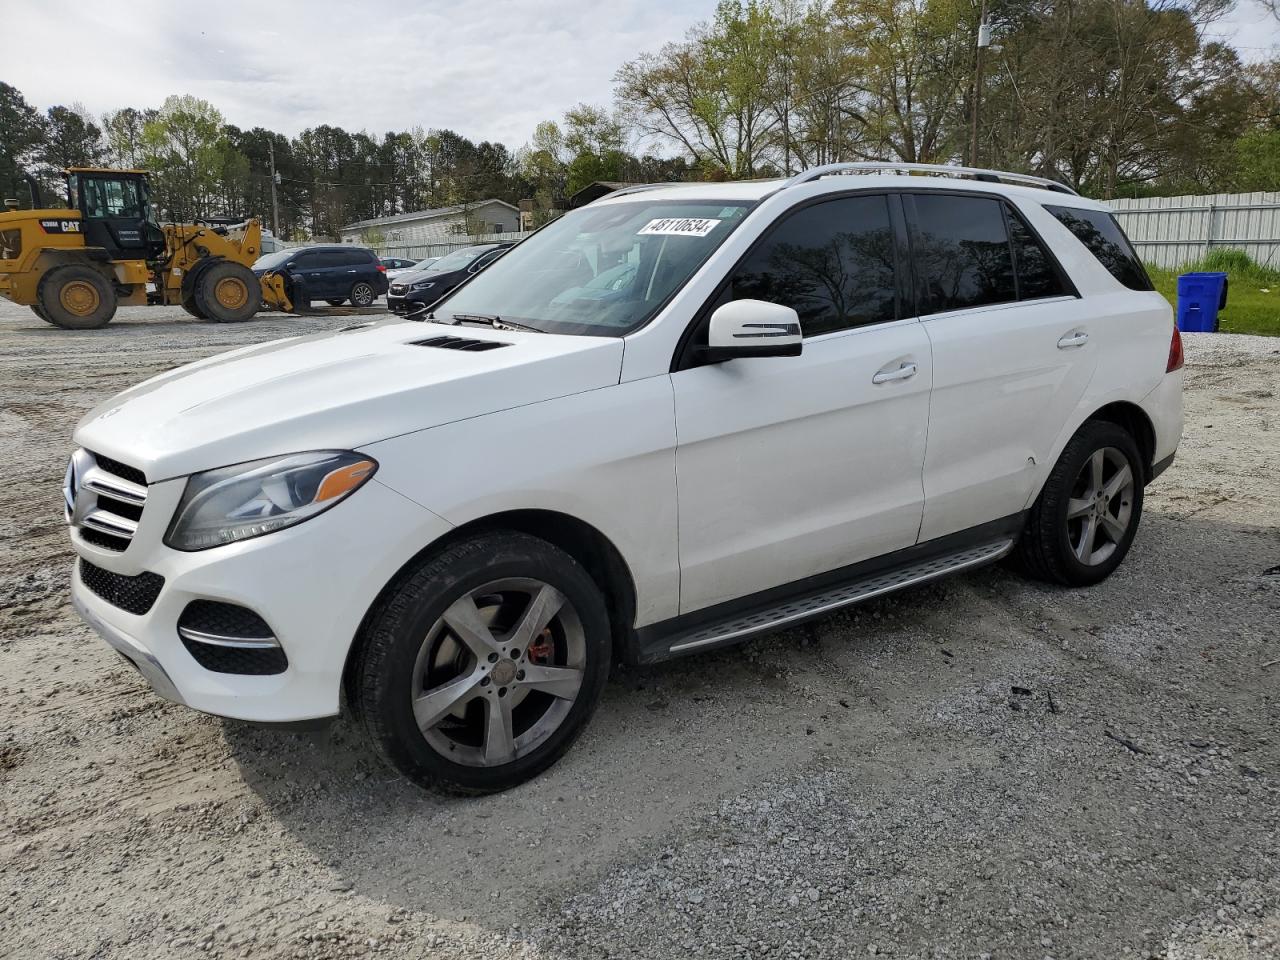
1100,508
498,672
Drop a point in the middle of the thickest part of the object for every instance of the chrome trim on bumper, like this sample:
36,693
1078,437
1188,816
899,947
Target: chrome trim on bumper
218,640
147,665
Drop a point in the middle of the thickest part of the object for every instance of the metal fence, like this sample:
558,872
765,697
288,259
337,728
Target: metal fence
1173,231
419,251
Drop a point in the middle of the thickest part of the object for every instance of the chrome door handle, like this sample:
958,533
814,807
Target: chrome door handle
1077,338
904,372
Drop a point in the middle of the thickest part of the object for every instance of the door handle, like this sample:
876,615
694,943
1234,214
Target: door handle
1077,338
904,372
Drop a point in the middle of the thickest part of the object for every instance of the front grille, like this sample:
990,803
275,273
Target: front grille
105,500
227,638
132,474
398,288
460,343
131,594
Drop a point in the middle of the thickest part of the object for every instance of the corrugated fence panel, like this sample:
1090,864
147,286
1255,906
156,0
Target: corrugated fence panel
1173,231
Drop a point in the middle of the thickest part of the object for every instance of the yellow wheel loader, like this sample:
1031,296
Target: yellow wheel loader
73,266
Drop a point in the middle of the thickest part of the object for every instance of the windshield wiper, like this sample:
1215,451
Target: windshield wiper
494,321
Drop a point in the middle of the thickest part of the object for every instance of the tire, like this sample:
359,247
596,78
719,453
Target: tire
336,303
76,297
39,312
362,294
189,305
1056,545
227,292
427,634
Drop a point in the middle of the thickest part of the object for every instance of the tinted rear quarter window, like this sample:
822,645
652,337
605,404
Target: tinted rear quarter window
962,253
1099,231
832,262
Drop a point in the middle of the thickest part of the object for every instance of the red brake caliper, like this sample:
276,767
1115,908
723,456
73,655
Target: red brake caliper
542,649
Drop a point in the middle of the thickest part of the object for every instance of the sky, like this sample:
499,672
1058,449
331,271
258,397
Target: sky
489,69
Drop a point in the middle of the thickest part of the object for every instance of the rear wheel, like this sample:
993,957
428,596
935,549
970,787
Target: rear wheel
362,294
484,664
1084,521
76,297
227,292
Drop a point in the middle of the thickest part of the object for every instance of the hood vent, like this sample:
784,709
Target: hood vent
459,343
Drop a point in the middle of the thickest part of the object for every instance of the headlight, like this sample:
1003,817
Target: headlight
424,285
251,499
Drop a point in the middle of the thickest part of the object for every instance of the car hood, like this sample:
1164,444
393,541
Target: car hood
413,276
338,390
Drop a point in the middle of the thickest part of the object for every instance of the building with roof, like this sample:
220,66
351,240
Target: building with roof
441,225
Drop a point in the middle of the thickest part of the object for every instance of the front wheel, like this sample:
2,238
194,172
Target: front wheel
336,303
227,292
482,666
1084,521
362,294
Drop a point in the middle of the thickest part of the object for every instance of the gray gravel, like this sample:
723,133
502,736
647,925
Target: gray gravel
982,767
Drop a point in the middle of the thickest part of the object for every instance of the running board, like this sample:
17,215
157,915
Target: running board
815,605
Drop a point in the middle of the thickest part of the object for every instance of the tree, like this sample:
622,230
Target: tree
21,133
185,146
71,139
1258,161
123,133
709,93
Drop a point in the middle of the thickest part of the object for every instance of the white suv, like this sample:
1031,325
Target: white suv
676,418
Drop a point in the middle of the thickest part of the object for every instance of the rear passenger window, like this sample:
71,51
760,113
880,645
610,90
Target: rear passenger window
1098,231
832,262
1037,276
962,253
354,258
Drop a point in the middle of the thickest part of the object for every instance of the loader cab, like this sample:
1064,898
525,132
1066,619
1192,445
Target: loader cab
115,211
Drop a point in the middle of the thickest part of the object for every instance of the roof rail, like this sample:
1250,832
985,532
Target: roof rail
938,169
634,188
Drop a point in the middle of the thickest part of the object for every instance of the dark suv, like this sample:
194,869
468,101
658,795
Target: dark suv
334,273
418,288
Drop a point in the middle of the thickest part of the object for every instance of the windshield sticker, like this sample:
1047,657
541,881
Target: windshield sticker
679,227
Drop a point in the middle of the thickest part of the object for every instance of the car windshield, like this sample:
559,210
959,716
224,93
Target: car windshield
458,260
599,271
273,260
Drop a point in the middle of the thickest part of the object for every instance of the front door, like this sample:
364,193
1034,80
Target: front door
788,467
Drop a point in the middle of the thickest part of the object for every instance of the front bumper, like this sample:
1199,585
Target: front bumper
312,584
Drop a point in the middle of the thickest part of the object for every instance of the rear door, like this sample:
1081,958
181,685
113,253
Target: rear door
788,467
1011,355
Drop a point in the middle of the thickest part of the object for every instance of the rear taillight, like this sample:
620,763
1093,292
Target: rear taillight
1176,357
382,267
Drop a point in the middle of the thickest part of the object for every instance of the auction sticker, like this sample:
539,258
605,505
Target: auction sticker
679,227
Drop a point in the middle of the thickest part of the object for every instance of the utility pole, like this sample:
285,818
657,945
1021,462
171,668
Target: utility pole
275,178
984,41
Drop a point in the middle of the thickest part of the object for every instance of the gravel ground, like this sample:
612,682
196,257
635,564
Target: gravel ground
979,768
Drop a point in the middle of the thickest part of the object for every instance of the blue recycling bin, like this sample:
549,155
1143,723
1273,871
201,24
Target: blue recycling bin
1200,297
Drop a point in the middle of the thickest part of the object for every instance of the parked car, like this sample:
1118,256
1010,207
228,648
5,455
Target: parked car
423,286
398,265
334,273
804,393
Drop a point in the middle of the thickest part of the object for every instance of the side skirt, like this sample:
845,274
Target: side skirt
737,620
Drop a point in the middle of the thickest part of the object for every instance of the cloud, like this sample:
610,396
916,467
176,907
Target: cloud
490,71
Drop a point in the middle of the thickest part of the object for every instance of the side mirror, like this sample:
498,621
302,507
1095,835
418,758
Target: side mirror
752,328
